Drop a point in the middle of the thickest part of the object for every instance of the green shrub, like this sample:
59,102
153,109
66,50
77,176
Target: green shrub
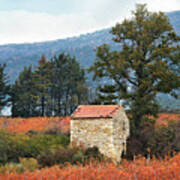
72,155
29,163
38,143
164,140
93,152
59,156
46,158
79,157
13,146
5,146
155,141
63,155
26,164
11,168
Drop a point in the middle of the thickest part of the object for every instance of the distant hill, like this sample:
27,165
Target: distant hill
16,56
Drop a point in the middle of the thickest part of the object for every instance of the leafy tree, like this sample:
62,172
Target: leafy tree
4,87
147,62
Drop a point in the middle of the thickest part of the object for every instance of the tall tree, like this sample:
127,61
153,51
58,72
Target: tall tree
69,85
147,62
42,76
4,88
23,95
59,79
55,87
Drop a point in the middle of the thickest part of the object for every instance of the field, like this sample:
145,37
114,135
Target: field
140,169
40,124
165,117
24,130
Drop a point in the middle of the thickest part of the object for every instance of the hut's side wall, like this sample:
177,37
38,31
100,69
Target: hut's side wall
94,132
120,132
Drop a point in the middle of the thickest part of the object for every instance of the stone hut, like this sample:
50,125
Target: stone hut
104,126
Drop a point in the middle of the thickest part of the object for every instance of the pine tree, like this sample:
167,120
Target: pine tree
69,84
42,76
55,87
23,95
4,88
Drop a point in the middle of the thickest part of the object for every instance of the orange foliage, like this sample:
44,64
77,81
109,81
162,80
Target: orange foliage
163,118
23,125
140,169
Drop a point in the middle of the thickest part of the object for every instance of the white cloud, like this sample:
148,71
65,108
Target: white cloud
165,6
22,26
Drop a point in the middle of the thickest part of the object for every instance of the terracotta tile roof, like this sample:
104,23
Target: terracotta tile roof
95,111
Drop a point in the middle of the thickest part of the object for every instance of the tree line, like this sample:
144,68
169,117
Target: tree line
52,88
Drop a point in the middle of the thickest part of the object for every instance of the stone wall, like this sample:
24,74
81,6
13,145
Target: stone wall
120,132
108,134
94,132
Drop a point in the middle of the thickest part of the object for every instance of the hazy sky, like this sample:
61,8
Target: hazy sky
40,20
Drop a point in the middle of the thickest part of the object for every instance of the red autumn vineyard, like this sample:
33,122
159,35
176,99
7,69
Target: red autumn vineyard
25,143
140,169
163,118
23,125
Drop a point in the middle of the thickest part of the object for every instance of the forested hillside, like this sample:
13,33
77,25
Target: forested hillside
16,56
